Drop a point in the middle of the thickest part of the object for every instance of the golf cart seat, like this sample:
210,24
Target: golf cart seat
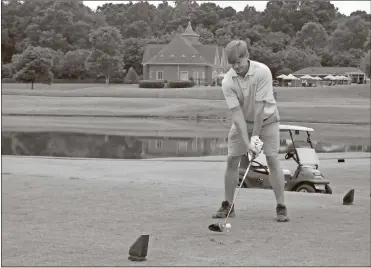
307,157
263,161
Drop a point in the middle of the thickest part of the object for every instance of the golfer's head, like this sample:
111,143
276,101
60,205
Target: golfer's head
237,55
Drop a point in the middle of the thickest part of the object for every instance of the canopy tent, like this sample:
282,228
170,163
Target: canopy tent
317,78
306,77
281,76
330,77
290,77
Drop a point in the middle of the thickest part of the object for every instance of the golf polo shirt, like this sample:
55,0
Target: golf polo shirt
257,85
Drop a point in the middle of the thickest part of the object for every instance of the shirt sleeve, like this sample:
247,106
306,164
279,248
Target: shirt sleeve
229,95
264,87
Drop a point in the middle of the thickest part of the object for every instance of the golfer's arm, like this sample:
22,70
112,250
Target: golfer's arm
239,120
258,117
263,91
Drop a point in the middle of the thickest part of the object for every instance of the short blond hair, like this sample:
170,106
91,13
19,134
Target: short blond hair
235,50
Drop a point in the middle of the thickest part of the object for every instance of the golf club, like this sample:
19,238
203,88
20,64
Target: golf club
219,227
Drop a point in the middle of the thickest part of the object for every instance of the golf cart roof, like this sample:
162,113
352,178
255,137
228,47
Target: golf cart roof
299,128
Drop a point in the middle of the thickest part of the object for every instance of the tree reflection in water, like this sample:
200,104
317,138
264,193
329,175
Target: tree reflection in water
64,144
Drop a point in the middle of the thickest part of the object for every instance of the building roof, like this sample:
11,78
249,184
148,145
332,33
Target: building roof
183,49
189,31
327,70
207,51
151,50
178,51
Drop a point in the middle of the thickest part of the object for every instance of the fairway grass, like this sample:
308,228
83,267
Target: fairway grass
87,212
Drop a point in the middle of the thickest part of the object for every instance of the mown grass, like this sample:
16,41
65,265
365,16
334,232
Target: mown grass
210,93
338,104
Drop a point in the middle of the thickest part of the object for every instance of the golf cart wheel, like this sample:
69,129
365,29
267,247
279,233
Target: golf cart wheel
306,188
328,189
244,185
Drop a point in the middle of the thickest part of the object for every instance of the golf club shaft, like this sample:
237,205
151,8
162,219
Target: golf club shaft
235,196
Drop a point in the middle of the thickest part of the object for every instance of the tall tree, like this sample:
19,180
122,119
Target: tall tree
350,34
312,36
106,56
34,66
366,63
74,63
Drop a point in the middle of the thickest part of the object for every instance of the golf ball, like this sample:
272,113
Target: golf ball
228,225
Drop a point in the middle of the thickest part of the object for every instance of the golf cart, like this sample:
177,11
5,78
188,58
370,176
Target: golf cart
306,177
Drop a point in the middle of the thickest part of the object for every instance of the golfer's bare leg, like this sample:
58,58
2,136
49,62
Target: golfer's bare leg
231,177
271,139
276,178
230,184
236,148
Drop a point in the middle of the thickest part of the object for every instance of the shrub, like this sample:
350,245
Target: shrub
117,81
180,84
131,77
9,80
6,70
151,84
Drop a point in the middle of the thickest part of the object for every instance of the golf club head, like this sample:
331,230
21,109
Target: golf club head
217,227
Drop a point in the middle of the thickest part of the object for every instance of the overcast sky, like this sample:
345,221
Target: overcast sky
345,7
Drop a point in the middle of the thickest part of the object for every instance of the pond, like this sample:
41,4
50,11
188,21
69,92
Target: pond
70,144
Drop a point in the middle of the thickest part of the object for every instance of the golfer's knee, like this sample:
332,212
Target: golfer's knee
273,162
233,162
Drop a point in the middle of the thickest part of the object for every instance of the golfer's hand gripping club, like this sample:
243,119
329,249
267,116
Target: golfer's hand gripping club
255,147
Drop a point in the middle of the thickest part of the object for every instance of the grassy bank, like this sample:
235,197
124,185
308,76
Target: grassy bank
210,93
351,112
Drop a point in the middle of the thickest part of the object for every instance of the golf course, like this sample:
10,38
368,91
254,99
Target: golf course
64,211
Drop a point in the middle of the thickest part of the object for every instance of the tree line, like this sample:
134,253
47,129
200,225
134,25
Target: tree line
45,39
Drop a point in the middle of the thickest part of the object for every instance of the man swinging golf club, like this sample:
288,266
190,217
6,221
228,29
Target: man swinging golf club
248,91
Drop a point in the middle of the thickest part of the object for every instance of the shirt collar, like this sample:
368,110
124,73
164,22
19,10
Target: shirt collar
249,72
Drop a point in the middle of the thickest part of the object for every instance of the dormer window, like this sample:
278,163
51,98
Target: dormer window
183,56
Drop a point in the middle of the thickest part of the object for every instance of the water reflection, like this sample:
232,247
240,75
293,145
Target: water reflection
133,147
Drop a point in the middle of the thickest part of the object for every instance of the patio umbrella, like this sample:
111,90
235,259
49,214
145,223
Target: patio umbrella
281,76
330,77
318,78
306,77
290,77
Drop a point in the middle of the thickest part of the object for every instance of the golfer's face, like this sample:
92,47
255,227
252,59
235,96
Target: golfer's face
240,65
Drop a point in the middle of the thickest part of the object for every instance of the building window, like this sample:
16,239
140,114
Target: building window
151,74
182,146
158,144
195,144
197,76
159,75
194,74
203,75
183,75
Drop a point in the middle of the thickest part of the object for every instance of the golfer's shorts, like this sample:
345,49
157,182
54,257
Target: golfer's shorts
269,135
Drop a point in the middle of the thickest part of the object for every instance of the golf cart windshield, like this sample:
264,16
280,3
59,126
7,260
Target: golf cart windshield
297,140
307,157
